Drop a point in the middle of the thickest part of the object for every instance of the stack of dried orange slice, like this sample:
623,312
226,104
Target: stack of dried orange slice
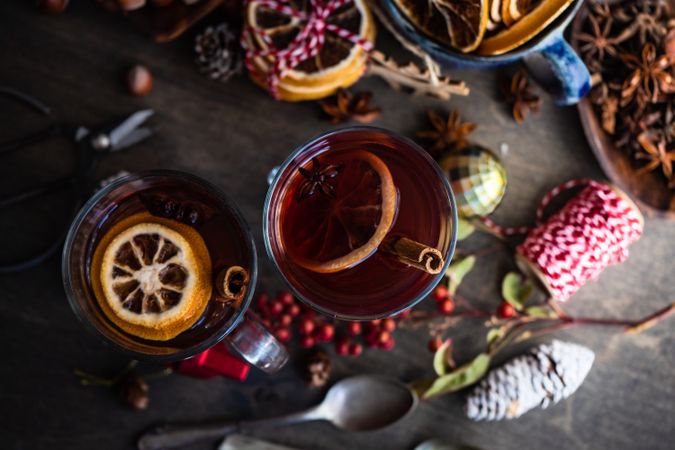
271,33
485,27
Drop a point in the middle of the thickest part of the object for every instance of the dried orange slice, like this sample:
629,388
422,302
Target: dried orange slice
460,24
513,10
494,14
339,64
341,230
524,29
152,276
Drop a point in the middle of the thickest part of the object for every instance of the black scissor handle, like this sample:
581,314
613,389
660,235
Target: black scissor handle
33,138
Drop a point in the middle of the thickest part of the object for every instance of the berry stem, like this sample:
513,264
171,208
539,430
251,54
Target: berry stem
466,304
518,333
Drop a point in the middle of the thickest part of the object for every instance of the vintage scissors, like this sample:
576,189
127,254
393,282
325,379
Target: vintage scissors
89,143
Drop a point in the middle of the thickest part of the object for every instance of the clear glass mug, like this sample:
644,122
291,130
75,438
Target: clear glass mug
376,287
223,228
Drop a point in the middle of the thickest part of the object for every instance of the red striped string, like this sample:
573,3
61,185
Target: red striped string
307,44
593,230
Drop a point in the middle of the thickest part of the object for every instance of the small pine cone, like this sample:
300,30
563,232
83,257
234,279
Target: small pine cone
218,52
318,368
542,377
134,391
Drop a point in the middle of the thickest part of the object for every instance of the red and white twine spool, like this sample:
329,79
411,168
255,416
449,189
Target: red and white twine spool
593,230
306,44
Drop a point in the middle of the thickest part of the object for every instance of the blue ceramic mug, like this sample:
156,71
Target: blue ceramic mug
548,57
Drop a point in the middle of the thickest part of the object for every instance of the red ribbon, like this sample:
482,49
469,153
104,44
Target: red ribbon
213,362
307,44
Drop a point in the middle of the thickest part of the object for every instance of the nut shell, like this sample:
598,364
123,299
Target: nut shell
139,80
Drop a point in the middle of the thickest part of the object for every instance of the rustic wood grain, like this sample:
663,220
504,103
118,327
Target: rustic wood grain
232,134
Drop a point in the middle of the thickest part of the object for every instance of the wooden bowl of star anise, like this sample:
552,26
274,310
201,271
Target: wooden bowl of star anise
629,116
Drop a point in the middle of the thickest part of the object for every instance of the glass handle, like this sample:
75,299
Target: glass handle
272,174
257,345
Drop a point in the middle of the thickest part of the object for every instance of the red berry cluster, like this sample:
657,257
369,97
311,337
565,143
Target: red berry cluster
444,302
284,316
446,306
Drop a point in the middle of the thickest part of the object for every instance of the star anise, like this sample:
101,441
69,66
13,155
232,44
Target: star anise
348,106
646,20
447,134
600,10
650,75
656,154
598,43
667,130
318,178
633,124
518,93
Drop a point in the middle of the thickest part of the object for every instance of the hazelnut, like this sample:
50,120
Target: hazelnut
139,80
129,5
52,7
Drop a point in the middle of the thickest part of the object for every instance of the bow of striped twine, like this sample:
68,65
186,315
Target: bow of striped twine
306,44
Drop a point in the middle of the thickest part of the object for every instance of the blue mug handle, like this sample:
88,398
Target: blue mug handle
558,68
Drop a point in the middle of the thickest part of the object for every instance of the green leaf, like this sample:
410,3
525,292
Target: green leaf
515,290
441,358
459,378
464,229
458,270
494,334
540,311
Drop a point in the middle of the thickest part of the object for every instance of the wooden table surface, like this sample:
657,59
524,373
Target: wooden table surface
233,134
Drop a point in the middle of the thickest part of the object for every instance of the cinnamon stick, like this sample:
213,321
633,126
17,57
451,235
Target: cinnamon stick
417,255
232,284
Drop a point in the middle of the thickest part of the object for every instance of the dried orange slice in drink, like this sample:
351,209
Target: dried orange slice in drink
152,276
339,63
524,29
343,222
460,24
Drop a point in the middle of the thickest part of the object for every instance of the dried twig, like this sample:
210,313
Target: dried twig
411,76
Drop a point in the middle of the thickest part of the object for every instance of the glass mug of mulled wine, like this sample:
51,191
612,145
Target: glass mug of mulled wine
360,222
162,265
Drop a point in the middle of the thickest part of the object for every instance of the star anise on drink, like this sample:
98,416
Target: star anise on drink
450,133
598,43
656,155
518,93
650,75
349,106
318,178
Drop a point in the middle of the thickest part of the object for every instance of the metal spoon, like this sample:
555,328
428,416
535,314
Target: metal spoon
359,403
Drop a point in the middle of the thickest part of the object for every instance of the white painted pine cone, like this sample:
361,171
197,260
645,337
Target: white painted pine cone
542,377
